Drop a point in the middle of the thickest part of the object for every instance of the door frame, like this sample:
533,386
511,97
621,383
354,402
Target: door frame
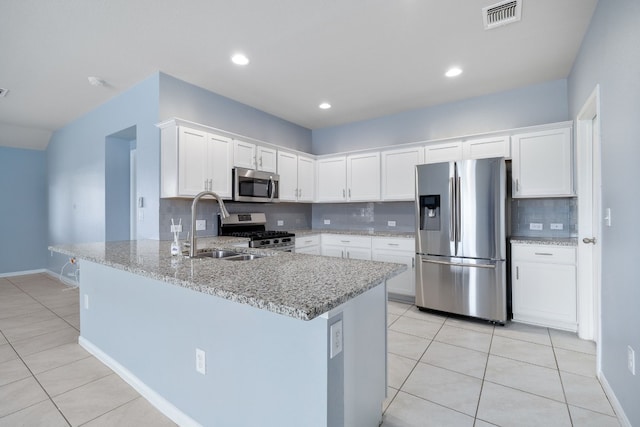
589,260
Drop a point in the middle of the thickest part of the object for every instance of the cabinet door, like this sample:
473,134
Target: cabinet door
244,154
266,159
306,179
485,148
288,171
542,164
544,294
405,282
331,179
443,152
363,177
220,165
398,173
334,251
193,161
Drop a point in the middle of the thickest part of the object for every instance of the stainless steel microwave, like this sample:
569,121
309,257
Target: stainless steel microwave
255,186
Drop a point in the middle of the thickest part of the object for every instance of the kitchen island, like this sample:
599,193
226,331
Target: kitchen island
282,340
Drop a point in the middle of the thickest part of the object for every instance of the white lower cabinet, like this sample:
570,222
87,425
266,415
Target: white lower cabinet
346,246
308,244
400,251
544,285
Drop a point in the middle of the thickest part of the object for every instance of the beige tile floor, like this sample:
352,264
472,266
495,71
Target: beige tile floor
442,371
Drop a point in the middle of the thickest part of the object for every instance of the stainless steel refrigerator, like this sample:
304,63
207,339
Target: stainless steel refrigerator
460,238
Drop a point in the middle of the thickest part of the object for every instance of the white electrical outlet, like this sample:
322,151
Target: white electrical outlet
86,302
556,226
176,228
280,223
631,360
336,339
391,223
140,215
535,226
201,224
327,222
607,217
201,361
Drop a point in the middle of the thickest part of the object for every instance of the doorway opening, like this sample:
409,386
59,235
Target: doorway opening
590,217
120,185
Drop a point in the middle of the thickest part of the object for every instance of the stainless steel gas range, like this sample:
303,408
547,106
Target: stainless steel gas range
253,227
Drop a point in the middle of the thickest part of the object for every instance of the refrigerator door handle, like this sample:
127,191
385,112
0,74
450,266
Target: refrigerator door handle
459,264
458,214
452,216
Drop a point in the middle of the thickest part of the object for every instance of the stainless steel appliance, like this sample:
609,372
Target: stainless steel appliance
255,186
253,227
460,238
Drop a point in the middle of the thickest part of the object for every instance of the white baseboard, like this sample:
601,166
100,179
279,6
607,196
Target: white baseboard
160,403
622,417
23,273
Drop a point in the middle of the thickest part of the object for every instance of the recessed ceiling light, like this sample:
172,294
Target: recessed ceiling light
239,59
96,81
453,72
324,106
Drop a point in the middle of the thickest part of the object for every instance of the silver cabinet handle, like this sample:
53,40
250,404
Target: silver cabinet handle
343,194
349,193
393,244
543,253
211,184
413,262
206,185
517,273
345,241
342,253
260,161
589,240
517,185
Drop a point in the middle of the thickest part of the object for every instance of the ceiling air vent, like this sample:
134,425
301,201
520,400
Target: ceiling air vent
3,92
502,13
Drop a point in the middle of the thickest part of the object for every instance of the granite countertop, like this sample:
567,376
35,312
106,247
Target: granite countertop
372,233
553,241
296,285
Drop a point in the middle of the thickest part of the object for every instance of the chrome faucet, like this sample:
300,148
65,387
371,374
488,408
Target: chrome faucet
193,250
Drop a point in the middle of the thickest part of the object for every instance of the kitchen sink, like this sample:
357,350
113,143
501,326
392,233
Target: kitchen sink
227,255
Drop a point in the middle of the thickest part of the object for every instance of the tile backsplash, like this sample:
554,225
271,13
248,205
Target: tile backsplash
546,212
365,216
292,215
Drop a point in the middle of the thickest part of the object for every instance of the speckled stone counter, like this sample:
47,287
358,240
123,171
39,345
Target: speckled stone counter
372,233
557,241
295,285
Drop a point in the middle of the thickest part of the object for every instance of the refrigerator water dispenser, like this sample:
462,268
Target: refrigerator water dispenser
430,212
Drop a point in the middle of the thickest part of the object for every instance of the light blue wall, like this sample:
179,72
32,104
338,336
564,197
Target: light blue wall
186,101
76,167
528,106
610,57
23,210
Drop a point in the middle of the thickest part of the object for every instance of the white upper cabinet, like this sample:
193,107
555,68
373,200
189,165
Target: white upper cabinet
443,152
398,173
266,159
194,161
297,177
331,179
542,164
477,148
244,154
363,177
484,148
306,179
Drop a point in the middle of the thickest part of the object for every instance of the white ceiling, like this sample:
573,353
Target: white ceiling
368,58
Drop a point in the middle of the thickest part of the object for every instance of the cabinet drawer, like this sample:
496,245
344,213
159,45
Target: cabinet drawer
544,253
394,243
347,240
305,241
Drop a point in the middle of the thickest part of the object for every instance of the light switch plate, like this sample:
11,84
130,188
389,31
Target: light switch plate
201,224
535,226
556,226
176,228
280,223
327,222
391,223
